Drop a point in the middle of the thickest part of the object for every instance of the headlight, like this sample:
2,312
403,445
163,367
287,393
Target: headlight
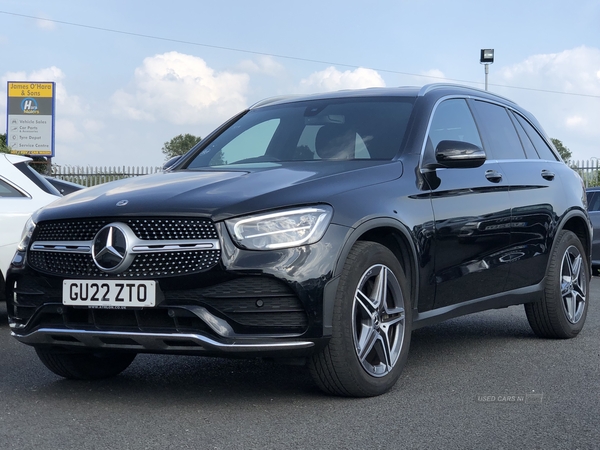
27,232
282,229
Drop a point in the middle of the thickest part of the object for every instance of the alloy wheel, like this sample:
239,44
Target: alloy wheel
573,284
379,320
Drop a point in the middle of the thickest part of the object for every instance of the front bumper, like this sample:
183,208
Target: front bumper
185,343
269,304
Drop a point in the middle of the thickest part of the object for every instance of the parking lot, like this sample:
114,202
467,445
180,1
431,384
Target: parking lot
481,381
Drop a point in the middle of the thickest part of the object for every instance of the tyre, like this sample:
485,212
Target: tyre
84,366
562,310
371,326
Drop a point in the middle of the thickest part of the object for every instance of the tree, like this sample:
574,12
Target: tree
179,145
3,147
565,153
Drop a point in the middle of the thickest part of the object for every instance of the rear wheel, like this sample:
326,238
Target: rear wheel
562,310
371,326
84,366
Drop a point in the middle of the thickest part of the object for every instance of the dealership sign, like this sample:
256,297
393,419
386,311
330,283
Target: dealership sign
30,117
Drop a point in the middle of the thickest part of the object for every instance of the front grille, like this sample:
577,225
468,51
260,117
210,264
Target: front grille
76,230
167,229
150,264
148,228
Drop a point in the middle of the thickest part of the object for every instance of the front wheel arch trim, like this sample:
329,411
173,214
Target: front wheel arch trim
353,237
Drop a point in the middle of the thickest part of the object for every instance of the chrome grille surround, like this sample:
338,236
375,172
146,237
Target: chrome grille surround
157,247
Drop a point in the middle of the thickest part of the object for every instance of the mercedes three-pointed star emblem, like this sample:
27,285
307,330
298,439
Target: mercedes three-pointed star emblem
109,249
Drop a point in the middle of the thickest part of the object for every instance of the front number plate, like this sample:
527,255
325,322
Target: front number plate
109,293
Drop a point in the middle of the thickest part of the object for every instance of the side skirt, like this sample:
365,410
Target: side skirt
519,296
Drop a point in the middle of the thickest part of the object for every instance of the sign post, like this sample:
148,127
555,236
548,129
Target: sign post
30,118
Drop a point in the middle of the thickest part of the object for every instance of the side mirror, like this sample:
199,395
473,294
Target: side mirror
171,162
459,155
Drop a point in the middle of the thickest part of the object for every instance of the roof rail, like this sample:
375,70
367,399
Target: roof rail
270,100
431,87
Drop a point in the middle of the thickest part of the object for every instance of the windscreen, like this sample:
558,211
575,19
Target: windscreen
333,130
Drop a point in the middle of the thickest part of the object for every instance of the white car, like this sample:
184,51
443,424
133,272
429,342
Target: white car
22,192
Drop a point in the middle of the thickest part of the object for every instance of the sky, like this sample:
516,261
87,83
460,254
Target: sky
130,75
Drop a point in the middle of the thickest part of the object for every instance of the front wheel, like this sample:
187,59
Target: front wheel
562,310
84,366
371,326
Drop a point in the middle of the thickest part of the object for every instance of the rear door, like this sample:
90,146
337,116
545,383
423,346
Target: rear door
533,174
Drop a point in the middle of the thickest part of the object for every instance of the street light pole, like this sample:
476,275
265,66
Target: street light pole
487,71
486,58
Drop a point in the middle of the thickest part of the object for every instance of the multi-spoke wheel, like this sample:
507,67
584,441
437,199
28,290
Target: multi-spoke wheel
562,310
573,284
378,326
371,326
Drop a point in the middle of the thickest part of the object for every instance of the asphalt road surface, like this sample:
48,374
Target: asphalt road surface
481,381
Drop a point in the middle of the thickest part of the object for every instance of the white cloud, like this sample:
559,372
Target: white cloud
67,131
568,115
576,122
572,71
125,104
332,79
436,75
92,125
44,24
263,65
181,89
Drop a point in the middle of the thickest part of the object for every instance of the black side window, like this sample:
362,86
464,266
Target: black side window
542,149
6,190
530,150
453,121
39,180
499,134
593,199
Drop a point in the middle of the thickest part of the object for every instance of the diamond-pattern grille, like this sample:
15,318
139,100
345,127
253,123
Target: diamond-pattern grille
149,228
166,229
76,230
148,265
145,265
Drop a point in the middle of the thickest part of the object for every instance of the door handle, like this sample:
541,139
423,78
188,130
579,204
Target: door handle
493,176
547,175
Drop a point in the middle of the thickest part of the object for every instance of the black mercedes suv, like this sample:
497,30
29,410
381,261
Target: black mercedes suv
319,229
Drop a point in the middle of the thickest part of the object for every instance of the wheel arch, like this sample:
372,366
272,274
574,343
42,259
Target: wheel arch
577,222
390,233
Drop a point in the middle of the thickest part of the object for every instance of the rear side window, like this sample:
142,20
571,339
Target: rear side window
593,199
39,180
6,190
499,134
540,145
530,150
